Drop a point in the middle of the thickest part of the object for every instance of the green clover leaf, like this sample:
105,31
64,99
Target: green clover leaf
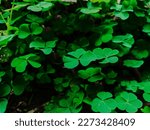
133,63
25,30
91,74
36,29
104,103
130,85
146,109
145,87
146,28
91,10
126,40
2,73
122,15
72,60
107,54
5,90
41,6
20,63
87,58
34,19
4,40
3,104
128,102
140,54
18,85
45,47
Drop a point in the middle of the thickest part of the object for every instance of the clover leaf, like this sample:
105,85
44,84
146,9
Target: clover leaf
87,58
105,34
5,90
4,40
122,15
91,10
130,85
26,29
133,63
45,47
140,54
20,63
34,19
104,103
91,74
2,73
126,40
145,87
128,102
18,85
71,103
72,60
3,104
146,109
107,54
110,77
41,6
61,83
146,28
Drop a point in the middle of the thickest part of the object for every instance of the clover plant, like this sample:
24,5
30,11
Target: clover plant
85,56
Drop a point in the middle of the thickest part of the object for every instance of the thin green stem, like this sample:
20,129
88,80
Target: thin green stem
3,17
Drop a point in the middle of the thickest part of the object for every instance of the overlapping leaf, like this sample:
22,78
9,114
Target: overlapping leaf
107,54
128,102
26,29
41,6
126,40
20,63
91,74
45,47
104,103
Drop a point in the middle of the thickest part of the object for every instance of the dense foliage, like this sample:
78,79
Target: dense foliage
91,56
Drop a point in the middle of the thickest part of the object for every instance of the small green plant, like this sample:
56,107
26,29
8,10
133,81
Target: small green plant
89,56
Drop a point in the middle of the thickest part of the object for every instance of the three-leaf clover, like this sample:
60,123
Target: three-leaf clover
91,74
26,29
104,103
20,63
128,102
45,47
